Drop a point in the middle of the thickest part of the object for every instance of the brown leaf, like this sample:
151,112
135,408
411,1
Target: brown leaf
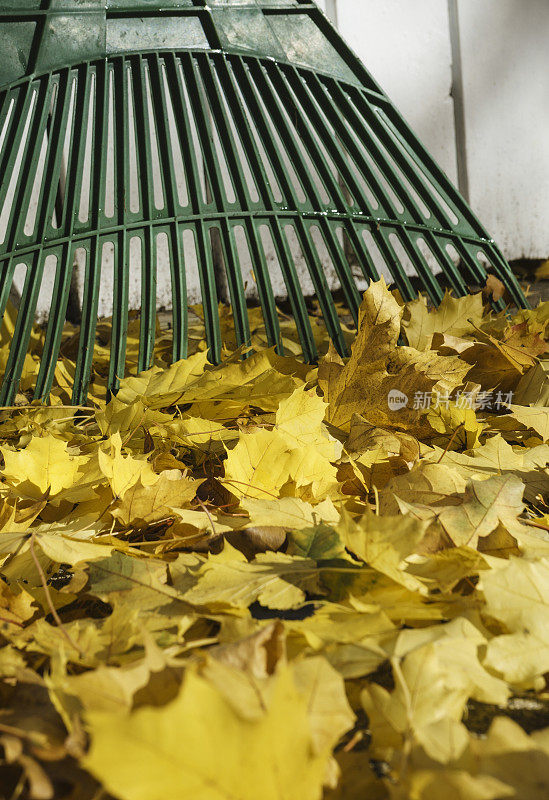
494,289
258,654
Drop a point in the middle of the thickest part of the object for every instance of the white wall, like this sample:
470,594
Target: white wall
505,57
505,76
405,44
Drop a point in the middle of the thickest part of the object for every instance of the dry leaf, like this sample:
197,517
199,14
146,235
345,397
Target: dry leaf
259,579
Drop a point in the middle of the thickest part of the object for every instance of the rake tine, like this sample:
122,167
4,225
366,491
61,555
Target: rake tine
430,283
295,294
315,268
7,271
92,277
309,108
285,259
35,138
13,140
99,149
178,282
437,247
143,136
202,117
23,329
278,155
7,103
209,295
177,272
56,320
337,199
160,109
179,288
334,114
148,299
264,286
227,82
232,267
236,286
284,255
365,114
183,125
469,256
219,117
252,98
323,294
119,331
272,103
381,238
365,260
48,197
352,295
75,165
417,152
504,273
92,274
234,277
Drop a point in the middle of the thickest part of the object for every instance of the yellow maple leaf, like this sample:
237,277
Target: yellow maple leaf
144,505
384,543
258,466
517,595
498,457
534,417
159,388
299,418
425,706
485,505
510,755
379,371
198,746
288,512
45,465
275,579
455,316
123,472
18,520
15,606
459,426
313,474
427,484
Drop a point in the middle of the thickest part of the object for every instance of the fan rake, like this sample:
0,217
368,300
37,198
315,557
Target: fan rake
232,135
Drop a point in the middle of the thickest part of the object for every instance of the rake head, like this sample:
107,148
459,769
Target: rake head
216,139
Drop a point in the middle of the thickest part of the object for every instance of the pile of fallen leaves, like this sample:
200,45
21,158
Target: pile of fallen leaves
264,580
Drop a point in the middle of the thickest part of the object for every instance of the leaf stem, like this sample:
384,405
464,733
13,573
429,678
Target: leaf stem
450,443
49,600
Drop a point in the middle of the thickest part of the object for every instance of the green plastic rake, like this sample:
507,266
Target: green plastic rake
234,132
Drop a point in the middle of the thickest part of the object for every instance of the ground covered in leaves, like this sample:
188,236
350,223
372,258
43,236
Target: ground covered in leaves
265,581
